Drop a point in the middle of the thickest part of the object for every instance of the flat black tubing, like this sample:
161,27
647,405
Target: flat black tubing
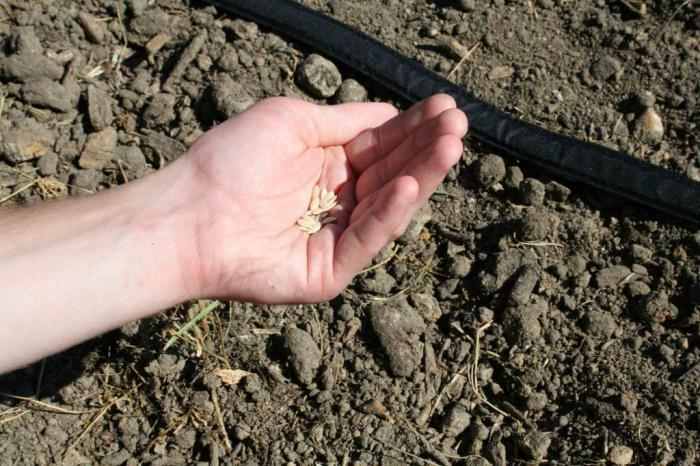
571,158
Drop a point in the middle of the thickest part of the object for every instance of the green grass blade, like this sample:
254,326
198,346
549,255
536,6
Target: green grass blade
200,315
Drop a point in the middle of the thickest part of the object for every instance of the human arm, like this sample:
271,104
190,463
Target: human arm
221,221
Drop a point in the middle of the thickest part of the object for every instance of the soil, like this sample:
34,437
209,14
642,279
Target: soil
521,319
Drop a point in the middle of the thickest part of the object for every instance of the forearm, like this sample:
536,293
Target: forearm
74,269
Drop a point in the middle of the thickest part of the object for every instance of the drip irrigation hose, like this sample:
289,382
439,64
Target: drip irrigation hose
568,157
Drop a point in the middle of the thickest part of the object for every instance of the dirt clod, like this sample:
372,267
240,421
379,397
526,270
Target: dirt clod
26,141
99,108
649,127
351,91
620,455
655,308
532,192
303,354
93,29
399,328
230,97
605,67
319,76
489,170
44,92
534,444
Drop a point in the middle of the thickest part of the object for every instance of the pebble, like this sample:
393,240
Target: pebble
637,288
230,97
641,254
303,354
351,91
534,444
47,164
460,266
399,328
532,192
655,308
611,277
243,29
558,191
605,68
489,170
156,43
98,149
99,107
514,176
318,76
26,140
456,420
45,92
620,455
93,29
85,179
644,99
167,148
649,128
466,5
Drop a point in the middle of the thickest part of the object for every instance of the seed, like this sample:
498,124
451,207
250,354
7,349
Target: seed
322,201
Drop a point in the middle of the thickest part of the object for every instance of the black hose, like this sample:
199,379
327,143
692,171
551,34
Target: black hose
589,163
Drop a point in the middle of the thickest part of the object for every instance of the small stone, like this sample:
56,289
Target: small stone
99,108
649,128
243,29
93,29
26,140
399,329
351,91
532,192
641,254
534,444
44,92
133,161
644,99
666,353
637,288
165,147
558,191
514,176
98,149
460,266
318,76
620,455
28,66
489,170
85,179
611,277
303,354
599,323
376,408
156,43
230,97
605,68
466,5
47,164
655,308
455,421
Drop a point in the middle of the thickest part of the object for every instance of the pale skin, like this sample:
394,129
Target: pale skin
220,222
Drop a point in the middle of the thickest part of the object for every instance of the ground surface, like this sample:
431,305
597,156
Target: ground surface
518,321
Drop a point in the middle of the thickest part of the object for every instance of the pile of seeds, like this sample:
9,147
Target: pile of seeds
322,201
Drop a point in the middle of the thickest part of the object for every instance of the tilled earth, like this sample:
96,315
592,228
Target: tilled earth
522,319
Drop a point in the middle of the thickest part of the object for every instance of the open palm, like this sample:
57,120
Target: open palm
255,174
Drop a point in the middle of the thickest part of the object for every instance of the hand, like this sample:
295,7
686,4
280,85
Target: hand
253,176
